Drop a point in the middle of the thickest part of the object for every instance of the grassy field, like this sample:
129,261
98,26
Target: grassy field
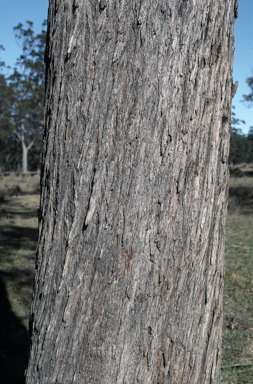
19,200
237,348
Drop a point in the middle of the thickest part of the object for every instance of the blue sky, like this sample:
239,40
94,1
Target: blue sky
243,60
14,12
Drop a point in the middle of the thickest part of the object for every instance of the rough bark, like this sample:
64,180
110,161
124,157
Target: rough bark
129,268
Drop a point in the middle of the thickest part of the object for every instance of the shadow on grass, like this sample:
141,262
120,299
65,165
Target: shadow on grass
13,342
241,198
24,215
18,237
20,209
19,241
17,253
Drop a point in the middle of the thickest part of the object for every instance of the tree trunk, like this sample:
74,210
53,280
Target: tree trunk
24,157
25,149
129,267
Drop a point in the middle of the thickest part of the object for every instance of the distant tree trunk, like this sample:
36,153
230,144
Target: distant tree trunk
25,149
24,158
129,267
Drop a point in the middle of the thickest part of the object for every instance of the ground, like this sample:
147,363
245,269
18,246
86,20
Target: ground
19,201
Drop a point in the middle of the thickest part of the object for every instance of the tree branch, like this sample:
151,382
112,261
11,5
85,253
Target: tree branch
30,145
18,135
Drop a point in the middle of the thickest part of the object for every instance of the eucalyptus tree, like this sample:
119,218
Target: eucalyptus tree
239,144
6,103
27,81
250,139
248,99
130,258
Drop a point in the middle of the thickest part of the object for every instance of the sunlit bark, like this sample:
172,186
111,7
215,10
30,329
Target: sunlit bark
129,268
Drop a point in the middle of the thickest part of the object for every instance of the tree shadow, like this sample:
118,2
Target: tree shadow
17,254
14,346
18,237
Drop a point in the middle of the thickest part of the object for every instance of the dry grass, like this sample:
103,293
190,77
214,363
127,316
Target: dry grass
241,182
18,184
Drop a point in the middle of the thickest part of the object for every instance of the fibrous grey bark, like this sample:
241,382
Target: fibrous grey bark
129,268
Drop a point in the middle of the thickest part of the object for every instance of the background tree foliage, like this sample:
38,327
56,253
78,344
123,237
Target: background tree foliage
241,146
248,99
241,149
22,102
6,103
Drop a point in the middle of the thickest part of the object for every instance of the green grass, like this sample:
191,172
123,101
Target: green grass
19,201
237,347
238,297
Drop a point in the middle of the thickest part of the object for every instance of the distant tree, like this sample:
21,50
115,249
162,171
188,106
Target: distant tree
27,82
250,134
250,139
6,103
22,102
248,99
239,146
